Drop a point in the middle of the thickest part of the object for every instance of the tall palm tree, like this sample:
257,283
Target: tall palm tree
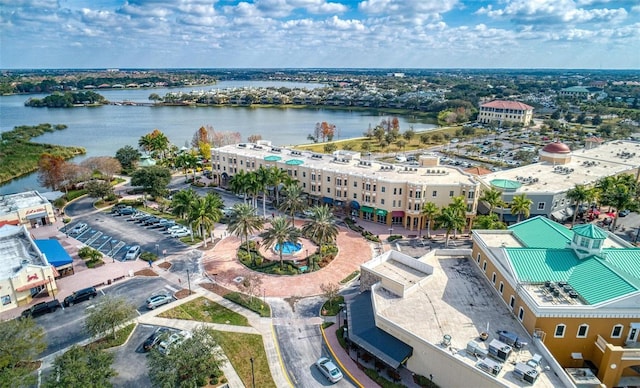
245,221
181,202
204,213
263,179
276,177
521,206
460,206
622,197
280,232
493,198
187,161
294,200
489,221
321,226
430,210
239,184
579,194
449,219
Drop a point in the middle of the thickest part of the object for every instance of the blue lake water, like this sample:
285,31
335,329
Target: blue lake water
103,130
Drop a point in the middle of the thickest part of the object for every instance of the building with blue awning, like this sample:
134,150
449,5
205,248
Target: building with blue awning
55,254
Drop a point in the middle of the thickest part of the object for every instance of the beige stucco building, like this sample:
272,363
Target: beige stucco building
24,270
27,208
385,193
500,111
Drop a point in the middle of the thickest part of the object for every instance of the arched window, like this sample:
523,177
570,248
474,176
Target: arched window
560,329
583,330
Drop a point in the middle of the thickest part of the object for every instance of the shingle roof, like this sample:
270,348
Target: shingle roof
540,232
501,104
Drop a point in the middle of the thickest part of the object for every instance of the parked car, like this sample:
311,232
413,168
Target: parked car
127,211
78,228
152,221
181,233
132,253
174,339
80,296
41,308
175,227
158,300
155,338
624,213
166,223
329,369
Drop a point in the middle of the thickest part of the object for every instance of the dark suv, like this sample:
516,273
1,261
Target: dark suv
80,295
41,308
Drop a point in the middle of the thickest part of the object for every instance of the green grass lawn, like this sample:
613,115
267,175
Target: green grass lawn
205,310
240,348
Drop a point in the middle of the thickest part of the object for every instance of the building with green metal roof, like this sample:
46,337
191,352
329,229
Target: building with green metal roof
578,290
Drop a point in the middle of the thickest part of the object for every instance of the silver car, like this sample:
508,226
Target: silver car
132,253
329,369
158,300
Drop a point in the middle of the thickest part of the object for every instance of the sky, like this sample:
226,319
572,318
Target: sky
98,34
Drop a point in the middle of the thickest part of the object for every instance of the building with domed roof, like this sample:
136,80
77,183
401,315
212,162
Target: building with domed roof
560,169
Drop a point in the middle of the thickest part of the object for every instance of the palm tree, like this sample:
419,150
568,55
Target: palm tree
204,213
430,210
579,194
276,177
245,221
280,232
489,221
622,197
493,198
449,219
181,202
521,205
239,184
321,226
293,201
186,161
459,205
262,179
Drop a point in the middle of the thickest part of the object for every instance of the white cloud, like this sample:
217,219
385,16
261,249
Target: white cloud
552,12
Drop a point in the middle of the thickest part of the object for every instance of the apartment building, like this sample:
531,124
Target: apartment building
499,111
385,193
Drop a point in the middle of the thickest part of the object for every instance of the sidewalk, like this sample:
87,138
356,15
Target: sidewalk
344,360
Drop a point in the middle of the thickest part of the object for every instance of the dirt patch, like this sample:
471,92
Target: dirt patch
165,265
146,272
292,301
182,293
215,288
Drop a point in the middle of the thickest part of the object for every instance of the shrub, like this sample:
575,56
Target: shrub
148,256
394,237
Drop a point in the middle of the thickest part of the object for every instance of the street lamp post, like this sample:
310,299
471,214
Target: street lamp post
189,281
158,251
253,377
111,250
53,292
308,259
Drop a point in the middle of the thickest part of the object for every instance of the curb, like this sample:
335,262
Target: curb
277,347
345,370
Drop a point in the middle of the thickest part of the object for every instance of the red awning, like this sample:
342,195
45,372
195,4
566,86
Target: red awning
611,214
397,213
29,286
11,222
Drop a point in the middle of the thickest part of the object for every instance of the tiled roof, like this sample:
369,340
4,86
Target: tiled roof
590,231
540,232
501,104
591,278
478,170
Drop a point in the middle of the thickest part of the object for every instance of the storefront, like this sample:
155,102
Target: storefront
28,208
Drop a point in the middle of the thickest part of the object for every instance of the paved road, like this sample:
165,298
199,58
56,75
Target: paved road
300,341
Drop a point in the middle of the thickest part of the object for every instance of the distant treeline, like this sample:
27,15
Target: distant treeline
67,100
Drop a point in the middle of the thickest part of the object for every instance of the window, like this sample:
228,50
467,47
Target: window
584,242
434,194
484,266
559,333
521,314
395,191
478,258
450,193
374,187
501,288
382,189
328,179
399,203
582,331
313,177
400,191
241,162
512,302
493,278
304,174
367,187
540,205
410,193
471,194
394,203
328,190
418,194
355,184
596,244
616,332
355,196
382,202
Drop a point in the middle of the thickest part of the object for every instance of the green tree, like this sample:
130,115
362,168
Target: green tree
82,367
329,148
187,161
241,183
22,340
579,194
263,178
489,221
155,143
190,363
430,211
280,232
204,213
449,219
458,203
277,177
153,179
97,188
245,221
321,226
108,315
521,206
293,200
181,202
127,156
493,197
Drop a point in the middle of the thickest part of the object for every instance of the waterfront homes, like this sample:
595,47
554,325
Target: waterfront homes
438,317
27,208
25,271
500,111
546,183
576,291
386,193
